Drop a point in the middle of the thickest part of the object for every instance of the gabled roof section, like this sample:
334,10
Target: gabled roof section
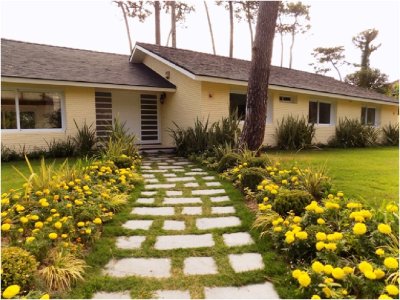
44,62
215,66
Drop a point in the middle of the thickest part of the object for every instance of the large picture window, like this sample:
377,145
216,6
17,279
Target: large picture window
31,110
368,116
237,104
319,112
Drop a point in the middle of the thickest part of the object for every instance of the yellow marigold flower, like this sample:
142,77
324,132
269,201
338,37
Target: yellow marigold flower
328,269
296,273
328,280
97,221
11,291
64,235
80,224
354,205
20,230
379,273
69,205
289,238
330,237
277,229
19,208
315,297
5,201
321,221
53,210
320,245
317,267
359,229
304,279
331,246
348,270
392,208
391,263
320,236
265,199
274,192
327,291
332,205
53,236
338,273
78,202
340,194
301,235
380,252
58,225
319,210
284,181
30,239
365,266
384,228
366,213
370,275
337,236
297,219
384,296
330,196
34,217
49,219
88,231
392,289
5,227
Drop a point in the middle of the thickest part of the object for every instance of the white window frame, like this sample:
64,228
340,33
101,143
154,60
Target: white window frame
377,115
332,112
270,106
37,130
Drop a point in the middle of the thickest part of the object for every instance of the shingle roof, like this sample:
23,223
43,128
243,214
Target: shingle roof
36,61
203,64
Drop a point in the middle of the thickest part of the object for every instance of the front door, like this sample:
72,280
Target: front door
149,119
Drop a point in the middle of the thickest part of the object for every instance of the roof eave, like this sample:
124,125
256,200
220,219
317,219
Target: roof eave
12,79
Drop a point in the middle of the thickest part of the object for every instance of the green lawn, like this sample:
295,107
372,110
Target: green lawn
371,174
10,179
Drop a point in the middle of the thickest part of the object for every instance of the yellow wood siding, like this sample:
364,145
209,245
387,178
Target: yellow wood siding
78,104
181,107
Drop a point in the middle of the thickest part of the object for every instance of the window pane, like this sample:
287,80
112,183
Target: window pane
371,116
324,113
238,104
40,110
8,110
312,112
363,115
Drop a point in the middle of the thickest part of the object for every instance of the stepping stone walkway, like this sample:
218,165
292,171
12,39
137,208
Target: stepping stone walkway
184,211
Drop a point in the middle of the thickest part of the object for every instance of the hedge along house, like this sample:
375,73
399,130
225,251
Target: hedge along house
45,89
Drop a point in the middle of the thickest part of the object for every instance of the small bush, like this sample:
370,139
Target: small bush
120,142
391,134
291,200
251,177
294,133
260,162
228,161
124,161
18,267
315,181
85,139
60,148
8,154
351,133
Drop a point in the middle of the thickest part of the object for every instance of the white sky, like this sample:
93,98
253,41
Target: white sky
98,25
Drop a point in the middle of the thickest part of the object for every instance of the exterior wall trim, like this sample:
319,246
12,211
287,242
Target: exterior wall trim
84,84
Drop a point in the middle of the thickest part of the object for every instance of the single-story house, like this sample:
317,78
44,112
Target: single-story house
46,88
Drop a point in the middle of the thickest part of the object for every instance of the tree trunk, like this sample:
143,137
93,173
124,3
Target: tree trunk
121,4
256,107
210,27
173,24
231,26
169,36
157,10
337,70
281,49
291,51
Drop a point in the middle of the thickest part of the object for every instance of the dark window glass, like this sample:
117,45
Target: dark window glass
238,105
8,110
324,113
363,115
312,112
371,116
40,110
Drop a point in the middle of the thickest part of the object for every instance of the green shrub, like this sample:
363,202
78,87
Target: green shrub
260,162
251,177
60,148
127,141
8,154
291,200
123,161
294,133
351,133
391,134
228,161
315,181
18,267
85,139
204,136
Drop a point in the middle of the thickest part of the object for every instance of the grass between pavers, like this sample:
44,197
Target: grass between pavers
141,287
10,179
371,174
